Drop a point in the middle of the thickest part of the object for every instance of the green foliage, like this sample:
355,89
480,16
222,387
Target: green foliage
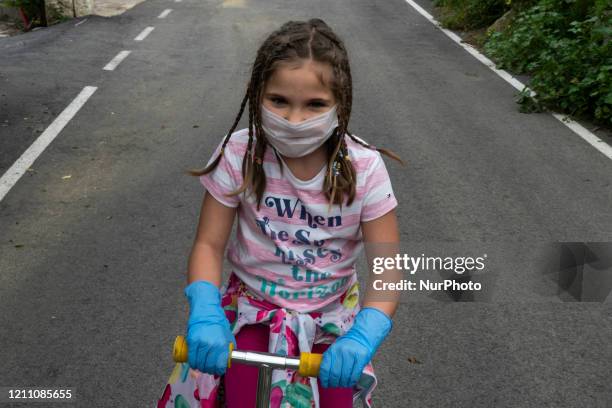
527,103
470,14
521,4
55,15
565,45
31,7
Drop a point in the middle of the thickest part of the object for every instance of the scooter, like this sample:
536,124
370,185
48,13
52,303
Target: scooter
307,365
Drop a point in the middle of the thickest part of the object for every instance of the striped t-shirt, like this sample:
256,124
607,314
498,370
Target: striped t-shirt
293,252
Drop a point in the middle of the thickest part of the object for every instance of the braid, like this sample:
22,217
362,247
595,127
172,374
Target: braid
378,149
361,142
259,184
346,158
334,171
215,162
247,160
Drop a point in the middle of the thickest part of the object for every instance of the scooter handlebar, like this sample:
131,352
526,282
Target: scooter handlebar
307,365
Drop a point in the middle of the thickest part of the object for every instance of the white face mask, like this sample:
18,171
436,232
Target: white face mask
297,140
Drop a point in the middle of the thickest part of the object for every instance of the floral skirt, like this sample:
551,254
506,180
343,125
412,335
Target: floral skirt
291,332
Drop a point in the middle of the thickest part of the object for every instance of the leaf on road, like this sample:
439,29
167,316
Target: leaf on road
67,177
413,360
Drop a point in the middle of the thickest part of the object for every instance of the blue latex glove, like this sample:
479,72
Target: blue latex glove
344,361
208,330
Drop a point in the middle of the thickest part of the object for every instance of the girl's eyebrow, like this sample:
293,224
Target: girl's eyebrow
272,94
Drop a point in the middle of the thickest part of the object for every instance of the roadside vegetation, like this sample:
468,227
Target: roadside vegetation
35,13
562,45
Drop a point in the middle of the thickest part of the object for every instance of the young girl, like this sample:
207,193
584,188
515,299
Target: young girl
308,194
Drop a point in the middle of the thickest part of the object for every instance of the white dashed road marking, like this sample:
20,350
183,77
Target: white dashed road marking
18,169
117,60
13,174
144,34
164,13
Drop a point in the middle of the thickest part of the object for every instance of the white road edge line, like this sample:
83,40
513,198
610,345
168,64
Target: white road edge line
117,60
18,169
164,13
143,34
577,128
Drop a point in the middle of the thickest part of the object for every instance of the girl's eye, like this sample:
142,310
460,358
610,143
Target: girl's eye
279,101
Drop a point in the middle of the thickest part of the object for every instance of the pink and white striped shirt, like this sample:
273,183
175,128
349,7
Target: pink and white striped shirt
292,252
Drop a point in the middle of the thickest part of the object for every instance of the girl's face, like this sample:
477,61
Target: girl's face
297,94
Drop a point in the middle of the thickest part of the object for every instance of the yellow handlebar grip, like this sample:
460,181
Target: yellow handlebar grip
310,364
229,356
180,351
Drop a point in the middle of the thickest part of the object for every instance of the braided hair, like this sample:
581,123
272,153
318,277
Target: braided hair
294,41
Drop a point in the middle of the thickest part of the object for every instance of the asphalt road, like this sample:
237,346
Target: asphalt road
92,266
